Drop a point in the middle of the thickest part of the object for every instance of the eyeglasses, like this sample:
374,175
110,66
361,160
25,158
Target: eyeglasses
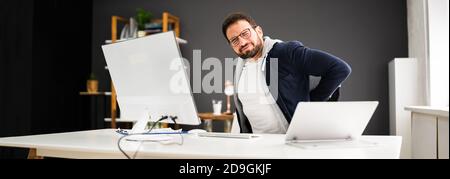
245,34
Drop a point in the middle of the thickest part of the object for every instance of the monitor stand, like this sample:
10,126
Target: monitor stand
141,124
331,144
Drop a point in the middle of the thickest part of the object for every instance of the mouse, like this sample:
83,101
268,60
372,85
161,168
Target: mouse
196,131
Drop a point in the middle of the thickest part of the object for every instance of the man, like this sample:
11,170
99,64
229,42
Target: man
259,108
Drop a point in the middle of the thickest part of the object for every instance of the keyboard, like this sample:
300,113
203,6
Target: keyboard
228,135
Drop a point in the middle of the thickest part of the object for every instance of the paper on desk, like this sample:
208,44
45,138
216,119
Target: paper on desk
165,130
156,135
150,138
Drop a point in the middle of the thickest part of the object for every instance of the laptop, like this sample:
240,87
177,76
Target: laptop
329,122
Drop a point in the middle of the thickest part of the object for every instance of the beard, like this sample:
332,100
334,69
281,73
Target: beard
252,53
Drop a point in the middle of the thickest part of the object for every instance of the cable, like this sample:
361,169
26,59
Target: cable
121,138
120,148
173,118
137,150
154,124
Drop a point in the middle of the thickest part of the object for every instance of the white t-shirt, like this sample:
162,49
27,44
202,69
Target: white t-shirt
258,104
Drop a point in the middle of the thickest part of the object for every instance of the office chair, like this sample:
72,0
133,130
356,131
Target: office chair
314,81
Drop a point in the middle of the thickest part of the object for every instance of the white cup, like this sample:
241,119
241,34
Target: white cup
217,107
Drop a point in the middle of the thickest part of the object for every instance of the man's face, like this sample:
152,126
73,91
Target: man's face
245,40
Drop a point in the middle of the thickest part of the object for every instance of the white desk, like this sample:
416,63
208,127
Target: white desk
103,144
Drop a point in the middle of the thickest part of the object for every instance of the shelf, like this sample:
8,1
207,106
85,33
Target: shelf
211,116
95,93
120,120
179,40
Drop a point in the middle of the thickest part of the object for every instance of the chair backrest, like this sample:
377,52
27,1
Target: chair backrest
235,129
314,81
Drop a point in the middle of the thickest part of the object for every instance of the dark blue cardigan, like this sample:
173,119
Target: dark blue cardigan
296,63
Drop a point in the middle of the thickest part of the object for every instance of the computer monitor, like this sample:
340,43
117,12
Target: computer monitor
150,80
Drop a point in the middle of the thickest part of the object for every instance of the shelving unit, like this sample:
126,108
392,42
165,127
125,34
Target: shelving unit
166,20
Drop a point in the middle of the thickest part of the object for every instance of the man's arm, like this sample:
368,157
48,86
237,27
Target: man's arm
332,70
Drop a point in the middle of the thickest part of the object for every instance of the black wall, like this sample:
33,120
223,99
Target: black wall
61,64
45,55
366,33
15,71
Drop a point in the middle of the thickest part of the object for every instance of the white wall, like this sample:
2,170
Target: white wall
438,21
428,34
417,43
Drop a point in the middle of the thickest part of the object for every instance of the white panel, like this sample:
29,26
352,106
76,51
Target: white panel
403,91
424,129
438,21
443,137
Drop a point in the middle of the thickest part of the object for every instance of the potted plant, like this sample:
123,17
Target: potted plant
142,17
92,84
